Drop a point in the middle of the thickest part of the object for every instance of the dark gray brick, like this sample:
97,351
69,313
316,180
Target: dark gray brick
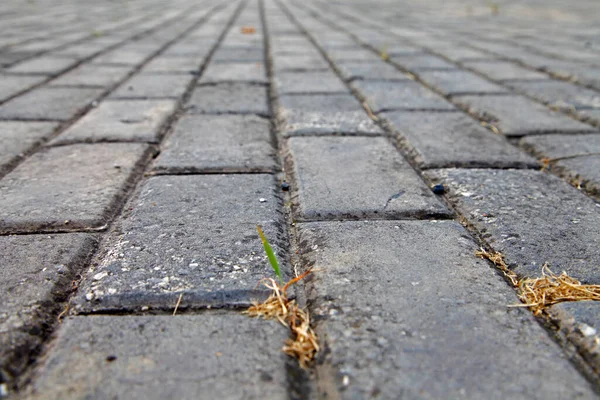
459,82
309,82
190,233
13,84
93,75
120,120
43,65
370,70
235,72
559,94
67,188
324,114
19,137
327,170
401,301
226,356
418,62
149,86
36,273
502,70
452,139
511,210
519,116
238,98
223,143
383,95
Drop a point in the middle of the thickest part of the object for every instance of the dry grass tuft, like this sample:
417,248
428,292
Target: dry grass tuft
498,259
539,293
303,344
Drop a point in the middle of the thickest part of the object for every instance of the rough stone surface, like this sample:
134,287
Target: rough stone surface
36,272
229,98
371,70
519,116
556,146
49,104
510,208
218,143
19,137
225,356
194,234
400,302
253,72
503,70
126,120
93,75
172,65
458,82
43,65
418,62
299,62
67,188
559,94
324,114
309,82
453,139
234,54
10,85
328,169
149,86
384,96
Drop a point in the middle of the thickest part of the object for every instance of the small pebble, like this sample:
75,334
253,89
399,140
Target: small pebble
439,189
111,358
262,200
285,186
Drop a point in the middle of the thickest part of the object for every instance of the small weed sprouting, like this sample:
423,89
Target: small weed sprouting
303,344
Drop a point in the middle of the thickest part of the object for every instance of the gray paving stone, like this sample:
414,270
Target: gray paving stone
324,114
554,146
355,54
384,96
400,302
68,188
36,272
511,209
503,70
418,62
194,234
452,139
46,103
299,62
327,170
460,53
19,137
227,356
370,70
122,56
153,86
121,120
235,54
519,116
223,143
309,82
253,72
172,65
10,85
564,95
93,75
43,65
230,98
459,82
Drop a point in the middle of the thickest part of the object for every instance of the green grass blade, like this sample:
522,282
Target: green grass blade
270,254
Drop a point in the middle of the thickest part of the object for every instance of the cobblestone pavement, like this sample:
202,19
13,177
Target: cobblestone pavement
141,142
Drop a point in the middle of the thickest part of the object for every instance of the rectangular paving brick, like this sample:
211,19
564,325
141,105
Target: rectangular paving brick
18,137
93,75
355,54
458,82
68,188
253,72
309,82
122,56
419,62
47,103
163,64
511,210
227,356
48,65
10,85
327,171
370,70
384,96
154,86
236,54
503,70
299,62
324,114
121,120
559,94
453,139
519,116
36,274
223,143
189,233
400,302
229,98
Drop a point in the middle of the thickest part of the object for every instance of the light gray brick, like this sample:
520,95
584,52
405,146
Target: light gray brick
459,82
383,95
370,70
10,85
253,72
418,62
299,62
564,95
230,98
503,70
93,75
154,86
19,137
172,65
309,82
49,65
